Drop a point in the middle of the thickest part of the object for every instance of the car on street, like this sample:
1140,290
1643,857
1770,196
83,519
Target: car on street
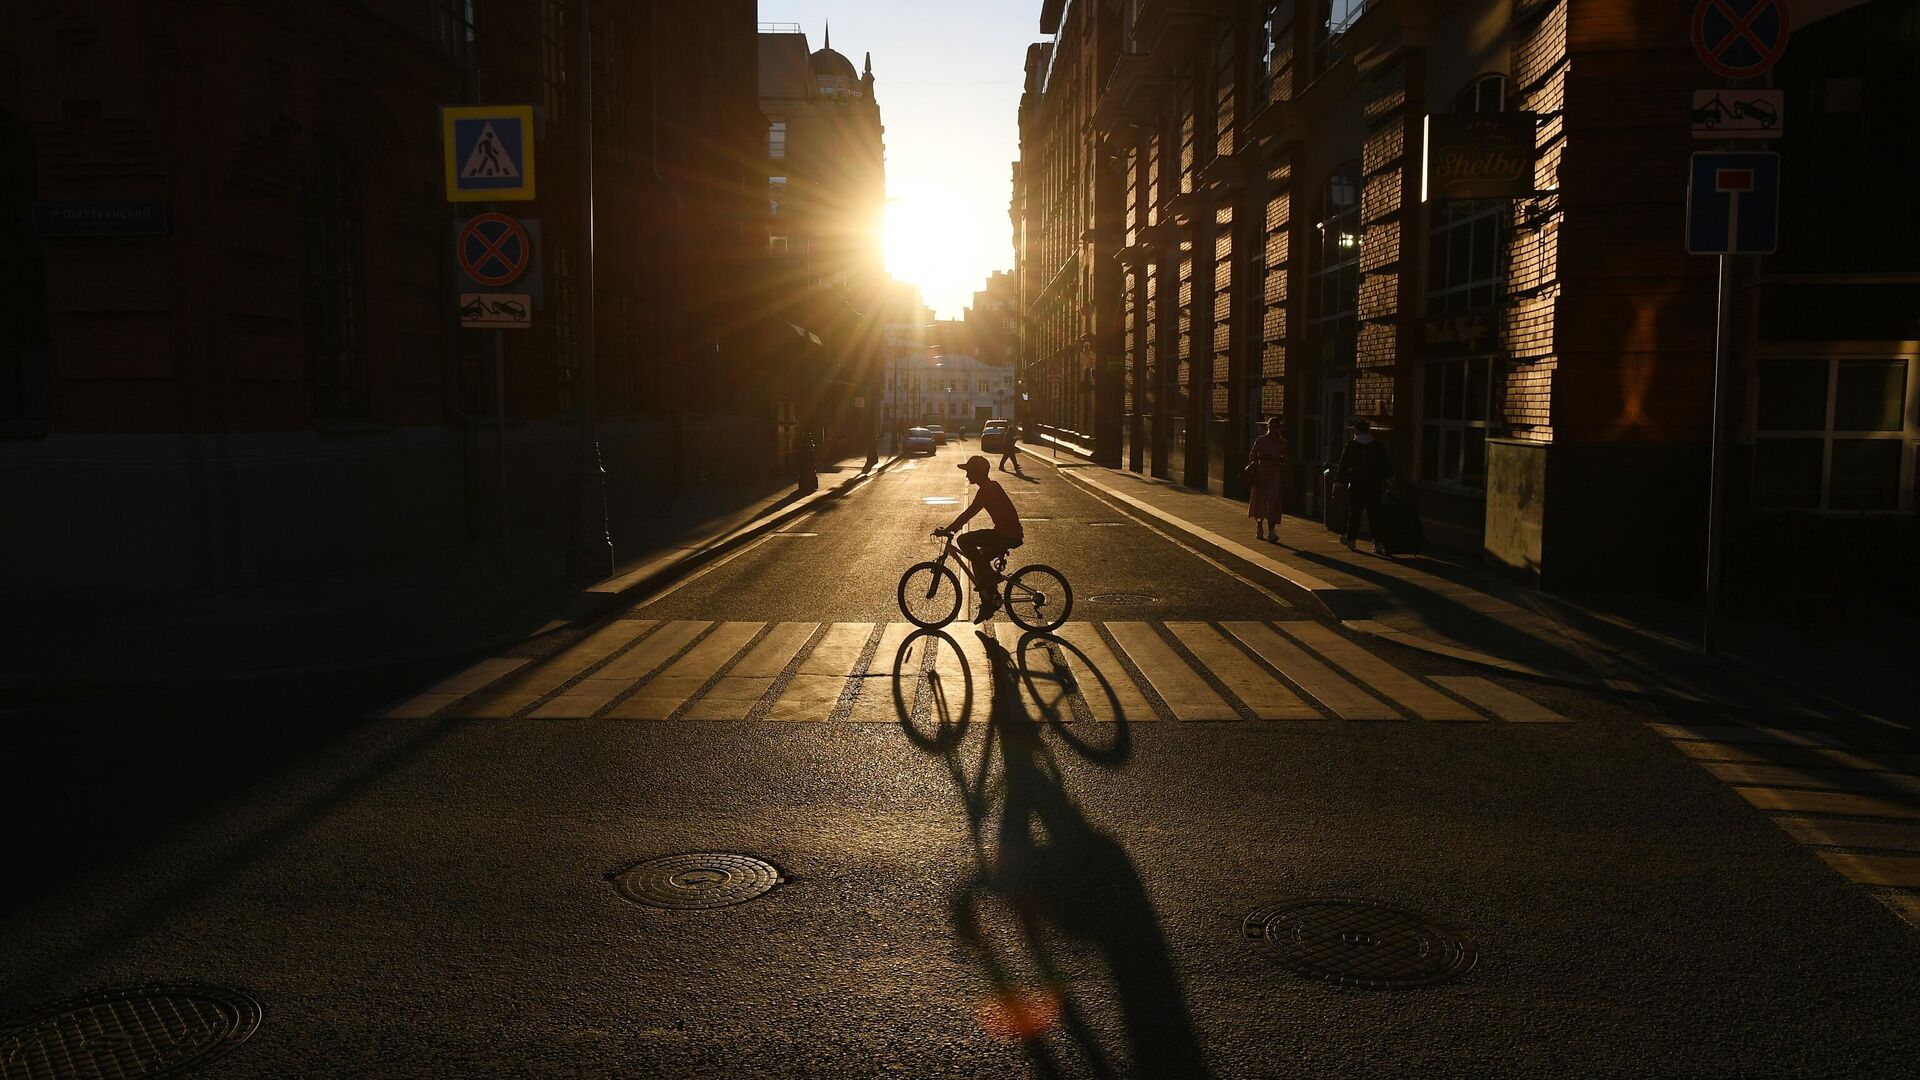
919,441
994,436
939,434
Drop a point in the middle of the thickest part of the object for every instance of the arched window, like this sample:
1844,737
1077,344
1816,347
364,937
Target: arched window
334,286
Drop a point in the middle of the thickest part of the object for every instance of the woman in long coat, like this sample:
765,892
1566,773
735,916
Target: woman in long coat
1267,471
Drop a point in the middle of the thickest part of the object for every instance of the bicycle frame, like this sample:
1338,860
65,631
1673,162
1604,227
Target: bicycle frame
950,549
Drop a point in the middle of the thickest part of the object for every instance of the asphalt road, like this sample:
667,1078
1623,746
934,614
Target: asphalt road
432,897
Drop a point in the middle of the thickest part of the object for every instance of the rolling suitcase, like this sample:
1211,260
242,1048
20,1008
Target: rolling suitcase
1398,529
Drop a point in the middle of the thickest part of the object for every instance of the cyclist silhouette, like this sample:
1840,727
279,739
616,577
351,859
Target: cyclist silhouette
982,546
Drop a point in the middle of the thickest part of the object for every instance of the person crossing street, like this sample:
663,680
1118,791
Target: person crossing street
982,546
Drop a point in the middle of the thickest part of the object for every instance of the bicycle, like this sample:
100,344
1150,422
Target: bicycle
1036,596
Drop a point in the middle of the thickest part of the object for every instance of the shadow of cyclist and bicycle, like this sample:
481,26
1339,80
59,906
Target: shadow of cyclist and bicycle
1048,884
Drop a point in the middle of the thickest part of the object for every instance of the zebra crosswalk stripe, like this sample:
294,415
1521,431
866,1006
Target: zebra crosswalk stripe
591,694
816,686
1409,692
736,694
658,697
1322,683
1260,691
1500,701
1187,695
875,704
1099,679
513,696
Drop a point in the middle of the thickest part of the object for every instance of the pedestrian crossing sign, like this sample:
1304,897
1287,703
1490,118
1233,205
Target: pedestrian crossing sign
488,151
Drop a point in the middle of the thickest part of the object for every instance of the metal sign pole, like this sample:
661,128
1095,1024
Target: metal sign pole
1722,345
500,432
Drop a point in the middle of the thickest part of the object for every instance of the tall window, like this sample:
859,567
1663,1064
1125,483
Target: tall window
452,28
777,139
334,287
1336,16
1835,433
1275,52
1456,413
1333,280
553,61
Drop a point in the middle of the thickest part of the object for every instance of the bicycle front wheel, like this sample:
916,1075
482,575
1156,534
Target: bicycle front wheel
1038,597
929,595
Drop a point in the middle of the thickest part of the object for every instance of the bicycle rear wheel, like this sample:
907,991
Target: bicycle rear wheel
929,595
1038,597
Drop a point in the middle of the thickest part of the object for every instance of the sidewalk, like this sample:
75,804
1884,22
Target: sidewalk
1454,606
478,595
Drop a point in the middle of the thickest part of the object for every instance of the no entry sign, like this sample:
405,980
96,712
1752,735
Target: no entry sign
1739,39
494,249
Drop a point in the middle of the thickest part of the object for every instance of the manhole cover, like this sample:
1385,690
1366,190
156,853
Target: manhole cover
127,1032
1121,598
701,880
1359,943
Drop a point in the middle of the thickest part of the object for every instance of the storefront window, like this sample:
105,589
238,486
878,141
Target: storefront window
1829,434
1456,412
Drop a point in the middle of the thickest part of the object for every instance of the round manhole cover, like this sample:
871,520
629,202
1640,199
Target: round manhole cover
127,1032
1359,943
1121,598
700,880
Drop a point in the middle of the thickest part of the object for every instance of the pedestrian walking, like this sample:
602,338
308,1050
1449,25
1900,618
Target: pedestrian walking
1364,471
1266,477
1009,450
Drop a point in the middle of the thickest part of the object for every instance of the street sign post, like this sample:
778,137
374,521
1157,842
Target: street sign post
1738,39
1738,114
488,152
494,249
1733,203
1733,208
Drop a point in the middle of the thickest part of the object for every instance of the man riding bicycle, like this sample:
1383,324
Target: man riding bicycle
982,546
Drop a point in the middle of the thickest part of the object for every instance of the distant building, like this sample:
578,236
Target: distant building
247,366
993,320
950,389
825,181
1228,210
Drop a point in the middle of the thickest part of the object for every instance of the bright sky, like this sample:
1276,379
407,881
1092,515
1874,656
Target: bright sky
948,78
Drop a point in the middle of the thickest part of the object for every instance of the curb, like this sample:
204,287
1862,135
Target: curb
1322,597
587,606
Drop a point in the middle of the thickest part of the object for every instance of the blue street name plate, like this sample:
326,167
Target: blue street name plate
153,217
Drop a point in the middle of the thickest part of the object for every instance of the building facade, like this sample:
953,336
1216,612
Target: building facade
1253,209
255,371
993,320
954,390
825,174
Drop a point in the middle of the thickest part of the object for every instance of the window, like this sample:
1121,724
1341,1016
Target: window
1457,409
1465,250
777,242
453,28
553,61
1333,280
776,193
1336,17
1832,433
334,287
777,139
1275,52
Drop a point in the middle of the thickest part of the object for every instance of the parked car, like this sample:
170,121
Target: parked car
919,441
939,434
994,436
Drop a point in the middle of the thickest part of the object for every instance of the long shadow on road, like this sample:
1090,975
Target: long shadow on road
1046,875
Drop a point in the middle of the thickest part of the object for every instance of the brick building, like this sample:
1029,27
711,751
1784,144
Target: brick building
257,373
1224,211
993,321
825,175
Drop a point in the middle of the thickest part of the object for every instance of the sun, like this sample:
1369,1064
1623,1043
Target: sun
914,237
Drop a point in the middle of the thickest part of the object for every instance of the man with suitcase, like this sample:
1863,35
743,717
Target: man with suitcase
1365,469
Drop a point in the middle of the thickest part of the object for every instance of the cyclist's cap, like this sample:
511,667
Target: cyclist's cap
974,464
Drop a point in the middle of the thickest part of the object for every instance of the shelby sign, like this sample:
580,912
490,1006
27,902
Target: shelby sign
1480,155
